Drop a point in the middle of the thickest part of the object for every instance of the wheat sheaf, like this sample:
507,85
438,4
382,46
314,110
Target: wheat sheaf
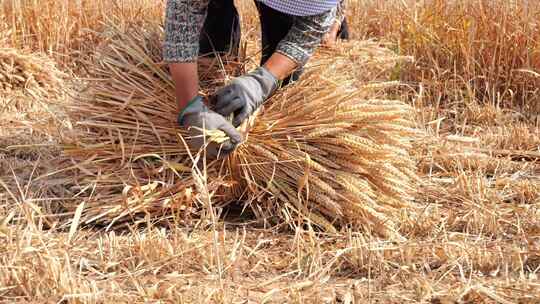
319,152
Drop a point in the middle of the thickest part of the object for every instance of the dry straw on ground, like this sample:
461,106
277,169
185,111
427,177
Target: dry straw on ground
31,75
31,86
476,241
318,152
32,96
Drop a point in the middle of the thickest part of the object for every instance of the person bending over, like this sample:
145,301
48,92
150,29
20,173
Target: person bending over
291,31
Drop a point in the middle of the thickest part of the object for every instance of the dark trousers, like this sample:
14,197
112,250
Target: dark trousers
221,31
343,33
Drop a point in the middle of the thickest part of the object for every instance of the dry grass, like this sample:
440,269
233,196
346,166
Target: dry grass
466,51
26,80
68,30
476,238
319,152
31,98
256,265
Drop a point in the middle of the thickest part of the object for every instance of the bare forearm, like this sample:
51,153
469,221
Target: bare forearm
183,23
186,82
280,66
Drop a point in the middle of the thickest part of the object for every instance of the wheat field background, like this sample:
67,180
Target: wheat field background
470,70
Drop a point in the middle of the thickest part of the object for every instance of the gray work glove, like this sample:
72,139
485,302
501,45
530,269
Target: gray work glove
196,117
245,94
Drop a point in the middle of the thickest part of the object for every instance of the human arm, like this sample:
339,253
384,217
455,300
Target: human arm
184,20
305,36
186,80
331,37
246,93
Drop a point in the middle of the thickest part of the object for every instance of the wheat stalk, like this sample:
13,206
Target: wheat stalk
314,153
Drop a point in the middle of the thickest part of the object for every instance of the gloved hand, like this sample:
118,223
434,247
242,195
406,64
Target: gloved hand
196,117
245,94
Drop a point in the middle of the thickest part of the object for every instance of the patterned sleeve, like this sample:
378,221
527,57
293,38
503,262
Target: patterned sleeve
342,10
305,36
183,23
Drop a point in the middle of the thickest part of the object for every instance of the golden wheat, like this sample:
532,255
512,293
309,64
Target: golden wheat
475,241
30,74
128,132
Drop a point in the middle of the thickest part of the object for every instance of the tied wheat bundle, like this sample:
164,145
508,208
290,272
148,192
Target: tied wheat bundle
327,157
318,152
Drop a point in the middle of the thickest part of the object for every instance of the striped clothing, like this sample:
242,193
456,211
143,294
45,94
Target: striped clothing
302,7
185,18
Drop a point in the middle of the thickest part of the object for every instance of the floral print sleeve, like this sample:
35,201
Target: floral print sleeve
342,10
183,23
185,18
305,36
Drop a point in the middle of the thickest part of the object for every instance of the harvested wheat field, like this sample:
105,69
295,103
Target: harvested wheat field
403,166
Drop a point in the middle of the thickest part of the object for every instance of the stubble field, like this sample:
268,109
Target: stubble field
467,73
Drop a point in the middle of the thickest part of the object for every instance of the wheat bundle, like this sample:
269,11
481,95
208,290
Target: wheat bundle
31,74
30,84
31,90
317,152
